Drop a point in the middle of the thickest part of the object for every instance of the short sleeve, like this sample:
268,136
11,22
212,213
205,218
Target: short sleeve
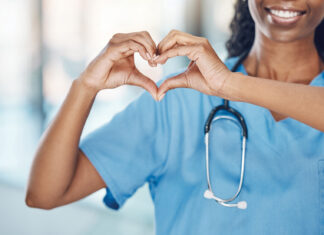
129,150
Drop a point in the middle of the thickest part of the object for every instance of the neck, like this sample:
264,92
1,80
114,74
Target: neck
296,61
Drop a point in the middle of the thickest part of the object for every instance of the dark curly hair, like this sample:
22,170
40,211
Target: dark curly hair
242,28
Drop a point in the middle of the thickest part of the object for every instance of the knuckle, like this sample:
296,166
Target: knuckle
117,35
141,49
204,40
174,32
139,35
108,49
128,43
110,43
146,33
201,48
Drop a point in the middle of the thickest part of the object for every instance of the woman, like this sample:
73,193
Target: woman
278,89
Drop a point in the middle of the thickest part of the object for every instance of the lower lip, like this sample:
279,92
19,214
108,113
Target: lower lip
284,21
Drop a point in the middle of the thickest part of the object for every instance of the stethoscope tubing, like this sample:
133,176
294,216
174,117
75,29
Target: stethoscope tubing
242,161
209,194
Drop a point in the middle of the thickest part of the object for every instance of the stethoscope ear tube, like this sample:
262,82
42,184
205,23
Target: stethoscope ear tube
238,119
232,111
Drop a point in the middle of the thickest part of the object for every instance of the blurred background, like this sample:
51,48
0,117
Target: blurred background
44,45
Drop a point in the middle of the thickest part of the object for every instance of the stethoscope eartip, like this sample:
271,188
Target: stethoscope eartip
208,194
242,205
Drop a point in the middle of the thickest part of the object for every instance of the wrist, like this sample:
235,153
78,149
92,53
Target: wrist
231,86
85,88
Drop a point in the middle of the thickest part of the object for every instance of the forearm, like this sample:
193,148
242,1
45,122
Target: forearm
302,102
56,157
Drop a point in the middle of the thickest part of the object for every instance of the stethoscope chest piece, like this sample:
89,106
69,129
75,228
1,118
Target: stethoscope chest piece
238,119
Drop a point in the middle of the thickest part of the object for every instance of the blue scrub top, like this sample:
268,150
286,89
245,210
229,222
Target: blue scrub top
162,143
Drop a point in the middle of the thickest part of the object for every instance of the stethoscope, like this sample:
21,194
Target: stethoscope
239,120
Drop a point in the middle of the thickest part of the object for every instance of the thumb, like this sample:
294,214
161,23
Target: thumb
140,80
177,81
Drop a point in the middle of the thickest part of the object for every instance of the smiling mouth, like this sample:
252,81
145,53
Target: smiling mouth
284,16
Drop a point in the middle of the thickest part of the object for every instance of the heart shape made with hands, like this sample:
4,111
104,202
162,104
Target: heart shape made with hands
205,73
178,81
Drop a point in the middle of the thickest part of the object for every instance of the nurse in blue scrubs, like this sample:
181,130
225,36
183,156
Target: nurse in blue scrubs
278,89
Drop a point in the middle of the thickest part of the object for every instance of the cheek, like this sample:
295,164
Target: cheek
317,12
259,16
315,17
256,11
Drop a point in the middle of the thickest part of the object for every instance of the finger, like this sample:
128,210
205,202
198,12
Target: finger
153,46
139,79
152,64
192,52
146,42
176,38
191,64
142,51
151,41
167,38
143,38
125,49
178,81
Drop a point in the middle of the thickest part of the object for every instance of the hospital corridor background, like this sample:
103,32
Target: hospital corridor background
45,44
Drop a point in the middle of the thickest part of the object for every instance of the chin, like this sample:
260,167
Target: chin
284,36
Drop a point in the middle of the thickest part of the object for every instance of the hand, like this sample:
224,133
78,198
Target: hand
205,73
114,66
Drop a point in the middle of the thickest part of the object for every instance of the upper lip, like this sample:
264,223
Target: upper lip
282,8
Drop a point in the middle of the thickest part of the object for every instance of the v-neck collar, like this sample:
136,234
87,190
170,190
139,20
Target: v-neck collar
261,124
317,81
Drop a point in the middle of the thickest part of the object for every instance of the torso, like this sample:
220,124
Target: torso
277,117
284,171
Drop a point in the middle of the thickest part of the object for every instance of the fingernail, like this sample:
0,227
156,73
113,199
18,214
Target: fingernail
156,57
148,56
161,97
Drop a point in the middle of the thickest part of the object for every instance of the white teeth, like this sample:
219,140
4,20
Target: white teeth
285,14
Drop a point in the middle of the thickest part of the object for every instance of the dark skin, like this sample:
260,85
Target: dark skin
283,60
277,48
294,45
